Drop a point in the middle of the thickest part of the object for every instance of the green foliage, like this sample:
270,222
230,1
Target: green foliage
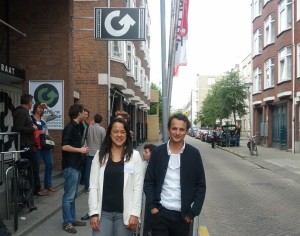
152,110
226,98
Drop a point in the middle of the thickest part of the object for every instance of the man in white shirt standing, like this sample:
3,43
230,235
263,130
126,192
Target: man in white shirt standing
174,184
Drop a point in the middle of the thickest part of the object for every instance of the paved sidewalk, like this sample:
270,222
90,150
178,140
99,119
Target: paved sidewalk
47,219
284,163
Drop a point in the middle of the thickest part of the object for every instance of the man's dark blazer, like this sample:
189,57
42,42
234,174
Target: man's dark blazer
192,179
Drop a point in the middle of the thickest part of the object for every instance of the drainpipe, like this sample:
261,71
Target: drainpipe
108,76
293,77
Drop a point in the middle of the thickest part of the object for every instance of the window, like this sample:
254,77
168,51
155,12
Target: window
285,15
130,3
130,59
257,42
298,60
116,51
257,8
285,64
257,80
137,71
298,10
269,73
266,1
269,34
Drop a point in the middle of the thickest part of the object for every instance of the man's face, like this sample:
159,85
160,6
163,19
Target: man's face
146,154
85,115
177,130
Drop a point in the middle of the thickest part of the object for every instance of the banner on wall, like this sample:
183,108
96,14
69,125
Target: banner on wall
51,93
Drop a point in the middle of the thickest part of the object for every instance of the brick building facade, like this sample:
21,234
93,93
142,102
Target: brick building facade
59,45
276,72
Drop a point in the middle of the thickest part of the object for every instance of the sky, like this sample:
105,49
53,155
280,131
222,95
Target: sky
219,37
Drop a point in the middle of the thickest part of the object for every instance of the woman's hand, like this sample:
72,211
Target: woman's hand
94,222
133,222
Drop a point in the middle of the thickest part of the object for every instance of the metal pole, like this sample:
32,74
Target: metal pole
109,111
163,72
13,28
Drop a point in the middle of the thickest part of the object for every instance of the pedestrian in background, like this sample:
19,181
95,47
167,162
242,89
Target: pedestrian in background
95,137
84,126
237,135
116,185
39,119
72,151
24,125
174,182
125,116
148,148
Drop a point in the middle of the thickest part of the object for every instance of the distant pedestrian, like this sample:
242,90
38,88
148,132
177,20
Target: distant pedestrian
148,148
40,120
72,151
237,135
174,182
116,184
24,125
84,126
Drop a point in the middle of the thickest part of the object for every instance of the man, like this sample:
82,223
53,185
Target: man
72,151
175,182
85,126
125,116
237,134
24,125
95,136
148,148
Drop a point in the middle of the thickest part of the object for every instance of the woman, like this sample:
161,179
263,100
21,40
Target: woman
40,121
116,184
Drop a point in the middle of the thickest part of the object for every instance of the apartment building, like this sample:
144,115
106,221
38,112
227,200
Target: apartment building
50,46
276,72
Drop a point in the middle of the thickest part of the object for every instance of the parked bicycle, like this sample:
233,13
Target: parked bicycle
21,186
252,146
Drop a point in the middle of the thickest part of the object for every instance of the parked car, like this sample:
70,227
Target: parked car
213,134
226,137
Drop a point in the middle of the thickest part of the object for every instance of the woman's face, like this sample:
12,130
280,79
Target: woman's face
118,134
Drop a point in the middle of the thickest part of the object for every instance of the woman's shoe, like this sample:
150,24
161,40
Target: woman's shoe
86,217
51,189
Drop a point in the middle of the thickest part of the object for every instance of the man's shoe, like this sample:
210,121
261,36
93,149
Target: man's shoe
70,229
86,217
78,223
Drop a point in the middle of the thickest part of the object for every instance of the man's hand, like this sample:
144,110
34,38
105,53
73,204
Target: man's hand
154,211
94,223
84,149
187,219
133,222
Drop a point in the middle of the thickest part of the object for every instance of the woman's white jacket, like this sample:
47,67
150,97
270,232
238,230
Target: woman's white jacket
134,172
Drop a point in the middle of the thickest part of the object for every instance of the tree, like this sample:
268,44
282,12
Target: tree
226,98
153,106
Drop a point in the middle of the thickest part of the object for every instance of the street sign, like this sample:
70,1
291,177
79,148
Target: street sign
119,23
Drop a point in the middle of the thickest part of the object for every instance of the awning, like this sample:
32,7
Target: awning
10,75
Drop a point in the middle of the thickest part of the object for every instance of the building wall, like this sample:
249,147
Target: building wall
263,109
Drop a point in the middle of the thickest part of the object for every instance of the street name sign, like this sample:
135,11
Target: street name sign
119,23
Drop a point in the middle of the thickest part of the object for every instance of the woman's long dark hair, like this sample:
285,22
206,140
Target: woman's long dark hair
107,143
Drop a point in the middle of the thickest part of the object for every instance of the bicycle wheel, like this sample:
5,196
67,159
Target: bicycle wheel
251,148
26,192
255,150
15,201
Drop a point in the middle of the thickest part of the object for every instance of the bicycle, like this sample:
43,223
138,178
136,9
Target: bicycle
21,185
252,146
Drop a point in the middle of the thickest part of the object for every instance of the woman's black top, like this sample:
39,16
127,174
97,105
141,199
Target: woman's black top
113,186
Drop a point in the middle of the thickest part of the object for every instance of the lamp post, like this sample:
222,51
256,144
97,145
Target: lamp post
248,85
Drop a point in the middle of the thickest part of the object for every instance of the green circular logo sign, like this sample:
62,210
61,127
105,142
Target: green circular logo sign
46,93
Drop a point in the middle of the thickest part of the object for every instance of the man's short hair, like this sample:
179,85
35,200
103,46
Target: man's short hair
74,111
179,116
26,98
97,118
149,146
123,114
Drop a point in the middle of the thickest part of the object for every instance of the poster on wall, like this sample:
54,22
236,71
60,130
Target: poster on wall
51,93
